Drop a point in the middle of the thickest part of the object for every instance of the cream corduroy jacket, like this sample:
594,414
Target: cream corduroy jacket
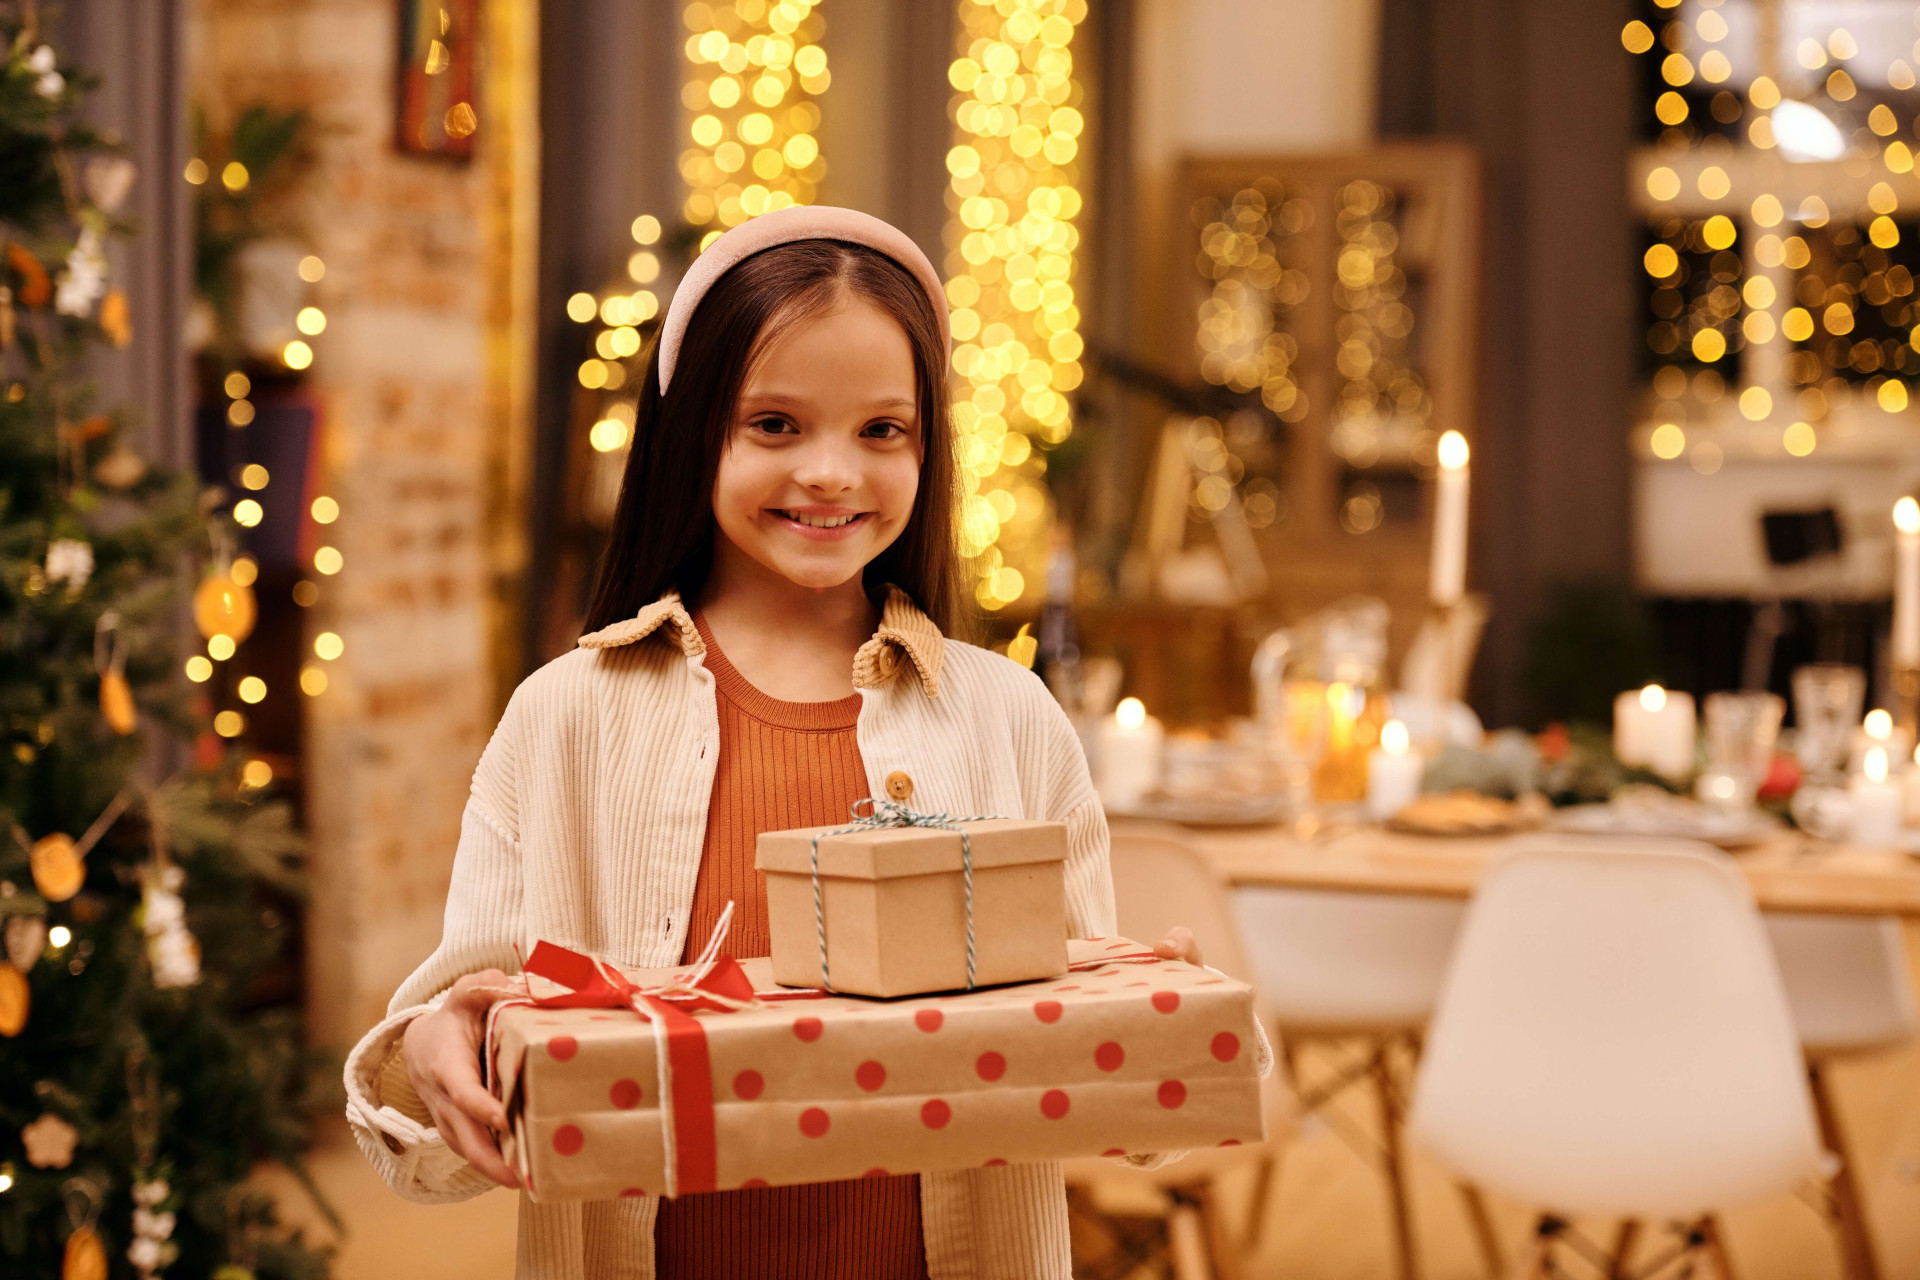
585,827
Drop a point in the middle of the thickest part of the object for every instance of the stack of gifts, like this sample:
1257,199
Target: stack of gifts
715,1075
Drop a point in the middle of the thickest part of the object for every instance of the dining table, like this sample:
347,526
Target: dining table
1787,872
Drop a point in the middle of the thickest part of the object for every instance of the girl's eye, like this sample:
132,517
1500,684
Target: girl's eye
771,426
885,430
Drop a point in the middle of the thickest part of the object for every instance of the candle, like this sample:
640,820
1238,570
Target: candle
1906,584
1877,729
1130,746
1911,810
1393,772
1653,728
1447,581
1877,803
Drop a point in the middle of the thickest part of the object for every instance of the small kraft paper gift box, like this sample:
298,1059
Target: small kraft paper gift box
900,906
623,1083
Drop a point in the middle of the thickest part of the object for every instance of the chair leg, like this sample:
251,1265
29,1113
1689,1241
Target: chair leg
1715,1245
1257,1206
1187,1242
1535,1260
1849,1213
1223,1252
1397,1190
1484,1236
1620,1267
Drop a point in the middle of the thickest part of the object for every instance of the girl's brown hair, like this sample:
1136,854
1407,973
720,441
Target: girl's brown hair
663,530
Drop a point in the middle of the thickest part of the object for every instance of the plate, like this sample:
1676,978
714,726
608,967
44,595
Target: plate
1464,813
1669,818
1206,811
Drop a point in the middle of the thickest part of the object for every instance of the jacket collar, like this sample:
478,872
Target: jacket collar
904,633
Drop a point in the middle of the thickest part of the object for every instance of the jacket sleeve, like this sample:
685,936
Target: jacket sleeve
1070,799
483,923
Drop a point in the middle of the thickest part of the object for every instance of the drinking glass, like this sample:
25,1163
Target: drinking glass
1742,729
1827,700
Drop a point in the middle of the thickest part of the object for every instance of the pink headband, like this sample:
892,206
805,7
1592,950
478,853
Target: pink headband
784,226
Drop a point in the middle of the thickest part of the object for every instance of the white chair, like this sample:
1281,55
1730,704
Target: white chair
1850,993
1159,883
1359,967
1613,1039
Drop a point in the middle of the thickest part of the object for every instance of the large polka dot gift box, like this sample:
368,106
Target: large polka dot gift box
1125,1053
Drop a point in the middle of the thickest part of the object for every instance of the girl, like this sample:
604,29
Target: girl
765,647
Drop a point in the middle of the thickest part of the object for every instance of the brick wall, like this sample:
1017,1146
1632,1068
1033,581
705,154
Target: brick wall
414,454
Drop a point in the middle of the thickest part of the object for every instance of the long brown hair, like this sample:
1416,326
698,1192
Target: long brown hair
663,529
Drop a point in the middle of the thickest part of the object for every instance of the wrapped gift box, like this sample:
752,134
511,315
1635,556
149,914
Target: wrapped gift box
894,904
1125,1053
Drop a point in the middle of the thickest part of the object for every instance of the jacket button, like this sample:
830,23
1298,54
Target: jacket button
899,787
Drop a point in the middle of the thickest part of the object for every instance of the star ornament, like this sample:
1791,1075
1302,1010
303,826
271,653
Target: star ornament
49,1142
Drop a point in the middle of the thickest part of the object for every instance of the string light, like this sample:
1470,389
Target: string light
1382,405
1847,311
754,69
1013,196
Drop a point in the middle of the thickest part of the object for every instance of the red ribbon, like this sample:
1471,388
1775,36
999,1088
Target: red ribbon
686,1069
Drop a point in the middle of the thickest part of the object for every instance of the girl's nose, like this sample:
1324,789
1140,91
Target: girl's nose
827,465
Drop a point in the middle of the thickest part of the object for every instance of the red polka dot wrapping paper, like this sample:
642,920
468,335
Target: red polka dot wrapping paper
1116,1056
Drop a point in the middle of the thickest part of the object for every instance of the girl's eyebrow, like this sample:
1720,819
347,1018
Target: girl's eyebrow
782,398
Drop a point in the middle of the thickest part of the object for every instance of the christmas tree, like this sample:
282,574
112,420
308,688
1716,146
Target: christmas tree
150,1054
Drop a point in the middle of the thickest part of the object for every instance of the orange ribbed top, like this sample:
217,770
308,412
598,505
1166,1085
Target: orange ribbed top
782,765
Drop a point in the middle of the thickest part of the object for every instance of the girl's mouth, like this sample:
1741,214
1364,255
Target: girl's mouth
810,525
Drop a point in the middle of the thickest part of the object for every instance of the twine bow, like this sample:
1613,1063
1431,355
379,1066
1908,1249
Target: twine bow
891,813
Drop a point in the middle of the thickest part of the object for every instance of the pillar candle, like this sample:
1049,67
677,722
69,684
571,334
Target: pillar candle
1447,580
1654,728
1394,772
1130,751
1877,803
1906,583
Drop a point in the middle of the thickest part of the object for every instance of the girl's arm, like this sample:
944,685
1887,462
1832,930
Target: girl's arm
414,1096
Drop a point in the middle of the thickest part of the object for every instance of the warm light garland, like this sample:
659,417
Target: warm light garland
753,70
1834,287
1013,196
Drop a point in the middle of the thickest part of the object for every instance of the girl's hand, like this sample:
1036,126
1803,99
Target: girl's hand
1178,945
442,1049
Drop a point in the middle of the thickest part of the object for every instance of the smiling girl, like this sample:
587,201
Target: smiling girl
766,646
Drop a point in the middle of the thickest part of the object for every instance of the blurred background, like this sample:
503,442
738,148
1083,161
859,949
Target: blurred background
1224,274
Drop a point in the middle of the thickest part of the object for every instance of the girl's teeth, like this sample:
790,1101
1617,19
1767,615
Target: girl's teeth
818,522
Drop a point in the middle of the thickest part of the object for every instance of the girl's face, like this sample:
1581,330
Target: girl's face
823,456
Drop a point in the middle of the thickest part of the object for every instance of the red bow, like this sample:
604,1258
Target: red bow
716,985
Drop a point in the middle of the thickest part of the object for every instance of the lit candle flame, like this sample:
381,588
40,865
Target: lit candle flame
1874,764
1653,698
1394,738
1906,516
1454,451
1878,724
1130,714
